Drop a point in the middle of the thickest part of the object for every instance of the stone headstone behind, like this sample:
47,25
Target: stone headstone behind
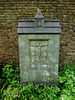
38,50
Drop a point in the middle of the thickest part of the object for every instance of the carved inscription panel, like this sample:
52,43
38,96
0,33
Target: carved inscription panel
38,54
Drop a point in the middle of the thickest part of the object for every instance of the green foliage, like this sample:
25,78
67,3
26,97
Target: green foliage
30,92
10,72
67,81
15,91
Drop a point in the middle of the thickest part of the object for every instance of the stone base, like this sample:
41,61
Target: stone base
39,83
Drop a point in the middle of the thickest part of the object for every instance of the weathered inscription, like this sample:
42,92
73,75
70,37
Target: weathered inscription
38,54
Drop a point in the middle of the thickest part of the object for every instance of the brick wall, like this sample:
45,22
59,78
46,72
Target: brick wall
12,10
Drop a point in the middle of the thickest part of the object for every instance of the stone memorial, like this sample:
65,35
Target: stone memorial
38,49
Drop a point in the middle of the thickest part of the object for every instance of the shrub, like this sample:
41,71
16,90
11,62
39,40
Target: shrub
67,82
10,73
15,91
